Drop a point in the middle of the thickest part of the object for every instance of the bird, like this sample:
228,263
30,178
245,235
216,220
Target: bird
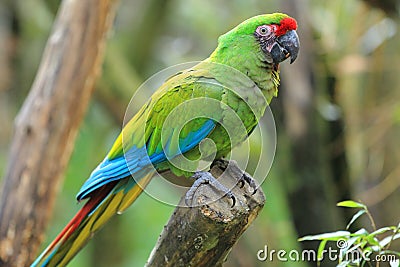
219,99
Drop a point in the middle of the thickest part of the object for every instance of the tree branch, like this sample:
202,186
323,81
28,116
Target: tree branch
47,125
204,235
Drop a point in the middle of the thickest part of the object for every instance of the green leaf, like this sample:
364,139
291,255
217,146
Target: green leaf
387,239
326,236
363,243
356,240
355,217
343,264
370,249
360,232
383,230
351,204
372,240
321,249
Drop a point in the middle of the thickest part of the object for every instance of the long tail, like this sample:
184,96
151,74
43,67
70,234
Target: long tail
109,200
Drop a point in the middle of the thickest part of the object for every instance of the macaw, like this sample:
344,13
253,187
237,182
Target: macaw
164,129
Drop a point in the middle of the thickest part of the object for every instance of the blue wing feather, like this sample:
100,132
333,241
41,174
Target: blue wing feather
135,160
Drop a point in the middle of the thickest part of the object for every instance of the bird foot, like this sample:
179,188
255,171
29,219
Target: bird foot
206,178
250,181
243,178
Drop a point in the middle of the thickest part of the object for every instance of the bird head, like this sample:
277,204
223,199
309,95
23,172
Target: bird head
278,39
274,35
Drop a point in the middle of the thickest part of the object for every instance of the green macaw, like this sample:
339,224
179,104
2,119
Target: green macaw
210,100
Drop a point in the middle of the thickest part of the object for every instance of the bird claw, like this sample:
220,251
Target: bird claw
220,163
206,178
250,181
245,178
241,183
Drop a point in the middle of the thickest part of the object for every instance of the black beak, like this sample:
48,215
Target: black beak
286,46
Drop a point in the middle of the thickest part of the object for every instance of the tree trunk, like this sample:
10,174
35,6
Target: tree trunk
204,235
47,124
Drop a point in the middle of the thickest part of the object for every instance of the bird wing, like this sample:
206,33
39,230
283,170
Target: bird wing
159,131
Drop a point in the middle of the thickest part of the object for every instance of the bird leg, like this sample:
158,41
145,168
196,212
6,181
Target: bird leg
207,178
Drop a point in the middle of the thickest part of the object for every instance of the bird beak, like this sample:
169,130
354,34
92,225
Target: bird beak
286,46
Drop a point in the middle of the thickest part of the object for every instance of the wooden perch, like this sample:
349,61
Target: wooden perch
47,125
203,235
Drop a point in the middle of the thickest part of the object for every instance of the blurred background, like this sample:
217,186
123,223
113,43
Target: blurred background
337,115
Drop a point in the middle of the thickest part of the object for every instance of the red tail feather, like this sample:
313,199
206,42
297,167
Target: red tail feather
82,213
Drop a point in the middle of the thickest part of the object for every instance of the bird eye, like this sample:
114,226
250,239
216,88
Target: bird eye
263,30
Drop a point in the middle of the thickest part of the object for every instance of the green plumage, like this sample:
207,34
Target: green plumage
237,49
221,98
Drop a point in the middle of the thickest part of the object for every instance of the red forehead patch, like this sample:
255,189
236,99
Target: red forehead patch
287,24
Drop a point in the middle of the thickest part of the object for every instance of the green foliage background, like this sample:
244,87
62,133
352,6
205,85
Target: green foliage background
350,148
